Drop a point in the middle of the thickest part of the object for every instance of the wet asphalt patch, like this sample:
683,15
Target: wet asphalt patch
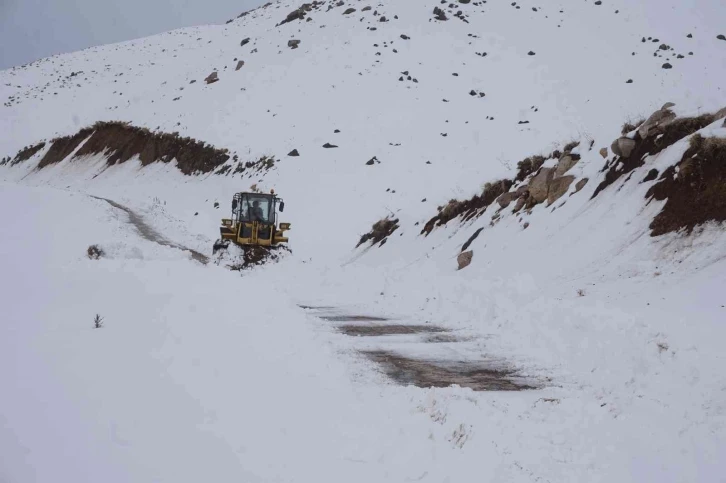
451,368
392,329
478,376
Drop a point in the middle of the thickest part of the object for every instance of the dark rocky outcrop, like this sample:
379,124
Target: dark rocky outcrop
439,14
380,231
468,209
300,12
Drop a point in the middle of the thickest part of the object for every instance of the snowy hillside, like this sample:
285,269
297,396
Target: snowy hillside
573,153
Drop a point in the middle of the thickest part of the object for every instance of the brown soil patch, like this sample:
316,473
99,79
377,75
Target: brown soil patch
119,142
425,374
697,193
651,145
378,330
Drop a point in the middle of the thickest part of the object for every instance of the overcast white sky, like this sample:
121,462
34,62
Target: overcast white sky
33,29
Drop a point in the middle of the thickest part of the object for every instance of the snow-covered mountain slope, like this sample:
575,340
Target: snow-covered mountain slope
596,276
345,76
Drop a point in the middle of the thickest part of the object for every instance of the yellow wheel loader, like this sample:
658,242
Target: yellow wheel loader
253,222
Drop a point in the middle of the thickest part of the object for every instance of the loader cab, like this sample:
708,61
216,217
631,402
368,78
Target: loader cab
254,220
251,207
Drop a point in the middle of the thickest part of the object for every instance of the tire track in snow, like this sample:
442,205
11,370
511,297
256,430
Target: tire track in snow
149,233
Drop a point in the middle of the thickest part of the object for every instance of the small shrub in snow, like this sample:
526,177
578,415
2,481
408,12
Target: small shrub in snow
631,125
95,252
580,293
97,321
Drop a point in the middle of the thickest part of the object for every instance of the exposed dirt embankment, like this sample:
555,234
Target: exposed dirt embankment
695,188
120,142
24,154
651,142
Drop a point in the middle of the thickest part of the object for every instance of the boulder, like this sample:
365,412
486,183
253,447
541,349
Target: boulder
240,64
581,184
464,259
520,204
293,44
506,198
539,185
297,14
565,164
659,118
604,153
623,147
294,152
348,11
211,78
244,42
365,9
558,187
